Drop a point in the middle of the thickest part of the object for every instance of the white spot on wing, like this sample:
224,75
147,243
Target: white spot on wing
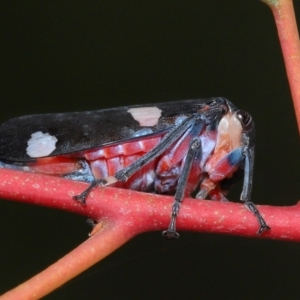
146,116
41,144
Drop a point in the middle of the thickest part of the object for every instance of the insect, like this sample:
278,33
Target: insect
197,146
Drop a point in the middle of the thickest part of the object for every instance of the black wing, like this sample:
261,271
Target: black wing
78,131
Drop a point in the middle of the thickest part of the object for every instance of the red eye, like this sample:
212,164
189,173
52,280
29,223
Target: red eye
245,119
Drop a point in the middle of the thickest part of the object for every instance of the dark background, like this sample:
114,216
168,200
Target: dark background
59,56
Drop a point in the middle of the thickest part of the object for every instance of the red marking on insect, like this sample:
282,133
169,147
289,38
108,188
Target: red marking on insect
54,165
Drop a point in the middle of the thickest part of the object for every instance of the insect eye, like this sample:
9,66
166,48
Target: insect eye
245,119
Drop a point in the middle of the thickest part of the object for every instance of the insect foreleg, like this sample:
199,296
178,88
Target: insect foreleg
248,153
263,225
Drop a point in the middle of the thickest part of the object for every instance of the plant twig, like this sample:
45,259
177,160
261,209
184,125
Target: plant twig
286,24
148,212
122,214
81,258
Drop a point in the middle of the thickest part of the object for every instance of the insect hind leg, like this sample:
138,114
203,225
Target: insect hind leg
82,196
248,153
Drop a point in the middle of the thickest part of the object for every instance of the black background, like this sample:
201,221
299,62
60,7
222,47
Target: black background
59,56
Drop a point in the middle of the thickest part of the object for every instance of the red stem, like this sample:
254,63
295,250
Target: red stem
286,24
123,214
81,258
148,212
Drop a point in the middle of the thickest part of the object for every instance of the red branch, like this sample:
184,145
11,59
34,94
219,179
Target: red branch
123,214
81,258
147,212
284,16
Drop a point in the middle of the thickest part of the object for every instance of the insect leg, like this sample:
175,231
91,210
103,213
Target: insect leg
165,143
248,153
195,148
219,170
82,197
194,121
125,173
